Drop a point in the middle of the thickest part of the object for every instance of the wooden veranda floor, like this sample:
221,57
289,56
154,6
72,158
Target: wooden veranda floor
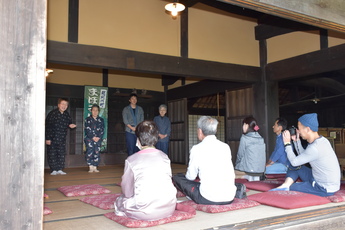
71,214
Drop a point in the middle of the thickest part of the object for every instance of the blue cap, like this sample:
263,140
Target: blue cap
310,120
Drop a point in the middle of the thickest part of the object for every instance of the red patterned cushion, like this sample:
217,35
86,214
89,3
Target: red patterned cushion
338,196
263,186
182,212
47,211
101,201
83,190
235,205
288,199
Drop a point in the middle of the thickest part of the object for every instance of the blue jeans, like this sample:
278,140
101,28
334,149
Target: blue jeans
308,184
163,146
276,168
131,141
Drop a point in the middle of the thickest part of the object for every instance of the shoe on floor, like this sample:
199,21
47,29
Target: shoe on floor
61,172
54,173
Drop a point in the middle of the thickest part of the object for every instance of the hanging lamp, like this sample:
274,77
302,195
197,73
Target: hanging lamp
174,8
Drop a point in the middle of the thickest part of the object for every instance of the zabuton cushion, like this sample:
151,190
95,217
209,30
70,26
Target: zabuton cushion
83,190
47,211
288,199
235,205
337,197
263,186
182,212
276,176
101,201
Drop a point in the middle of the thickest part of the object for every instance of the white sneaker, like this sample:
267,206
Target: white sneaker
61,172
54,173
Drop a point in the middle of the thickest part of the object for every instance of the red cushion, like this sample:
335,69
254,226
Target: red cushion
338,196
180,194
182,212
288,199
47,211
235,205
240,180
263,186
83,190
101,201
275,176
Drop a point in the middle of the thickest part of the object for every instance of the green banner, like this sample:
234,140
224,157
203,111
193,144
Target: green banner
97,95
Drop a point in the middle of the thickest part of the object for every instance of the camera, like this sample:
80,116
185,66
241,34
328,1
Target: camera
292,130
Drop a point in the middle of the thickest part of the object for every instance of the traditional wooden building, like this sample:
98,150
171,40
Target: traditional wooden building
226,58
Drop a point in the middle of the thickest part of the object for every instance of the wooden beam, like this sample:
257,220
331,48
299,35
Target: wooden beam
22,96
320,13
271,26
73,20
202,88
112,58
317,62
184,34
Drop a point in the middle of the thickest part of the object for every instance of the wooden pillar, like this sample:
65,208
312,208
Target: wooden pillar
73,20
266,101
22,98
105,78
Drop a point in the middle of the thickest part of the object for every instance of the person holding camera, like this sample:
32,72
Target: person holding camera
323,178
278,162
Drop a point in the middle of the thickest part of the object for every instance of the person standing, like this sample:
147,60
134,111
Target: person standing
132,115
57,123
164,127
323,178
278,162
210,161
94,131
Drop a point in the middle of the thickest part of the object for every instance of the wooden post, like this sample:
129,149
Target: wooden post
22,99
266,104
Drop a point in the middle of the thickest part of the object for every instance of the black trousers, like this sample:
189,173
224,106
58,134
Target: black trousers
192,190
56,156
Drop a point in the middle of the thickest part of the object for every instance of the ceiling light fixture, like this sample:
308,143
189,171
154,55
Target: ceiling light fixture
174,8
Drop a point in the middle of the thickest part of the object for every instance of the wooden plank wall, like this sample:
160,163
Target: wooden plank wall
22,99
239,104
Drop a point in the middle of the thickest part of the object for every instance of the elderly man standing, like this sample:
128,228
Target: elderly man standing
210,160
57,123
323,178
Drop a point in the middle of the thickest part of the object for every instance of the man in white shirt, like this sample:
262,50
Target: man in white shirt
210,160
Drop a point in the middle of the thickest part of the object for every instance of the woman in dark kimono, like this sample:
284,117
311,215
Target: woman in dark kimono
94,131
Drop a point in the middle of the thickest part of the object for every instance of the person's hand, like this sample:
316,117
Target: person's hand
48,142
95,139
295,137
72,126
286,136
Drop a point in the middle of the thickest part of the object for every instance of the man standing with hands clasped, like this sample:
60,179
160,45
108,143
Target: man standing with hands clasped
323,178
57,123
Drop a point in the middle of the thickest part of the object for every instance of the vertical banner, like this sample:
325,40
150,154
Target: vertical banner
97,95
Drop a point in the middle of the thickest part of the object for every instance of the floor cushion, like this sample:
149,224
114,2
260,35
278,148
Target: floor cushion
276,176
241,180
263,186
337,197
235,205
288,199
83,190
101,201
182,212
47,211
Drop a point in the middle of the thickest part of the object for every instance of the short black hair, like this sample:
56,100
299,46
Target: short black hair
282,122
133,95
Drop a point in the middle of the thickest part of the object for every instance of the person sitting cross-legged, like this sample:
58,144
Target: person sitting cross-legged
210,161
323,178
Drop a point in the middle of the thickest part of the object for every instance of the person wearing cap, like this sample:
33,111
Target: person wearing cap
323,178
